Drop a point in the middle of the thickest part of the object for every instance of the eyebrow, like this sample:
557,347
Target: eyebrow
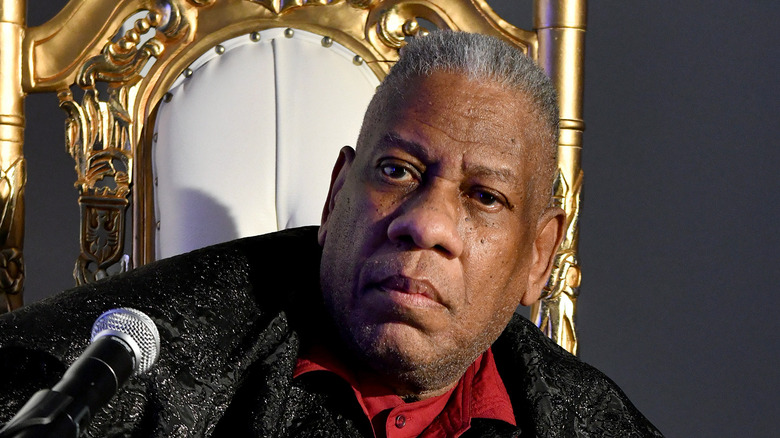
410,146
503,174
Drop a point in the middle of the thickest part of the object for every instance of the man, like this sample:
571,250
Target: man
395,317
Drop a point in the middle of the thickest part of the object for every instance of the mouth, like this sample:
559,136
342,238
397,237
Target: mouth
407,292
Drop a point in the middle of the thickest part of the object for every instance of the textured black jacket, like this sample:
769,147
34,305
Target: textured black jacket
233,318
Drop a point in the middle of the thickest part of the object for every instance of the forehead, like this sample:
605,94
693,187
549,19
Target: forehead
450,116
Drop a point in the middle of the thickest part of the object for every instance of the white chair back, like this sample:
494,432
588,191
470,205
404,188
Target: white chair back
246,138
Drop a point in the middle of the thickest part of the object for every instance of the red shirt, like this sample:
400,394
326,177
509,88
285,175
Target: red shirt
480,393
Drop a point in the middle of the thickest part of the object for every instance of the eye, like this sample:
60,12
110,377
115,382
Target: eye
397,171
489,200
486,198
394,171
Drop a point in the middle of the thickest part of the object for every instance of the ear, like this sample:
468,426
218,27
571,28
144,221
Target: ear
337,178
549,234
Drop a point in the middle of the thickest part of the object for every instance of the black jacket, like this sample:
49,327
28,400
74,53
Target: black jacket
232,319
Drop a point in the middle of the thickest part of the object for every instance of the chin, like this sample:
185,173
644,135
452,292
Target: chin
411,360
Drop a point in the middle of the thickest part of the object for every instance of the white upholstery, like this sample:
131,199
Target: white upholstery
246,144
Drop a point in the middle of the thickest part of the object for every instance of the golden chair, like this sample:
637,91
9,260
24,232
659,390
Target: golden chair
131,85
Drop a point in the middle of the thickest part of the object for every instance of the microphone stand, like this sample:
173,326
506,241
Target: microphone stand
48,413
66,409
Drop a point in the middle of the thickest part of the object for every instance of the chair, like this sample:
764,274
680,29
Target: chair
181,63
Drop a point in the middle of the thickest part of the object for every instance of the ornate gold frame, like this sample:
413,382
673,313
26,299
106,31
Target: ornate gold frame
109,136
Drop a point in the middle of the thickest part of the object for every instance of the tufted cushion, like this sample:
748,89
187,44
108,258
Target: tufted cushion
246,144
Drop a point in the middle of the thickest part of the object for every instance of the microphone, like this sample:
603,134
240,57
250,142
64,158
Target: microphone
124,342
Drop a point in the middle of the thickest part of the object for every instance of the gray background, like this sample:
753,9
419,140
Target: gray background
679,221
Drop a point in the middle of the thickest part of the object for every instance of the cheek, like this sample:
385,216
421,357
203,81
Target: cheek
354,229
494,271
491,252
365,204
378,204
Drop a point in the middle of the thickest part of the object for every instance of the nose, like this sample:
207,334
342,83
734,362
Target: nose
429,220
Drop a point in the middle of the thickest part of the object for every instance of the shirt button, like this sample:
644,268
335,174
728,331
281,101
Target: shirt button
400,421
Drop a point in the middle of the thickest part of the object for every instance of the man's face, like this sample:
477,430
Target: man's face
429,242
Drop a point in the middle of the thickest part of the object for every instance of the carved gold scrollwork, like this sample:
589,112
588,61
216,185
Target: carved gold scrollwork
395,24
98,138
362,4
12,182
554,314
11,270
282,6
122,61
170,19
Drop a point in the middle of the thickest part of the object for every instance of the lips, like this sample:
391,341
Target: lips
406,291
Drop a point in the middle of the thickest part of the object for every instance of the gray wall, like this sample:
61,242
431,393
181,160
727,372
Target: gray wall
679,218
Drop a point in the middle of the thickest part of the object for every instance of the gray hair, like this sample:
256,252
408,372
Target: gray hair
478,57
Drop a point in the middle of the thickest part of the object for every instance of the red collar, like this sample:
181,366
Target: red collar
480,393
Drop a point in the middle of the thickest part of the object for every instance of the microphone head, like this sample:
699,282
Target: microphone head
136,329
